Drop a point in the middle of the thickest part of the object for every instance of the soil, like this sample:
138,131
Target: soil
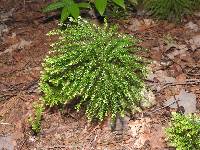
174,50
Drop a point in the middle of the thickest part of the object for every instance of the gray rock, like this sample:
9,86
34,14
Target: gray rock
149,99
190,25
195,42
6,142
187,100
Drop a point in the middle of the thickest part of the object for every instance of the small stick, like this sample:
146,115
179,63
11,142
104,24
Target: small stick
187,82
4,123
58,146
178,106
176,101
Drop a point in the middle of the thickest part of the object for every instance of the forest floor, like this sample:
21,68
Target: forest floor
175,81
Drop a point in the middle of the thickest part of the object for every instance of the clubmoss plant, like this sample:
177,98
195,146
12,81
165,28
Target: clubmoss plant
172,10
36,121
196,4
96,64
184,132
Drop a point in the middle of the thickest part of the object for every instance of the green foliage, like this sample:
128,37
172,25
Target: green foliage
36,121
94,64
172,10
116,12
184,132
71,8
196,4
102,4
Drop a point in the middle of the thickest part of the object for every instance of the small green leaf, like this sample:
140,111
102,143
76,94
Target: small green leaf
101,6
120,3
64,14
74,10
84,5
53,6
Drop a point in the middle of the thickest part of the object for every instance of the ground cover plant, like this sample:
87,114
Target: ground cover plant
114,11
172,10
94,63
36,120
184,132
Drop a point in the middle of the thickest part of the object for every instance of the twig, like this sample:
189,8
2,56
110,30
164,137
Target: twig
7,96
176,101
58,146
193,74
17,70
178,106
193,68
32,83
24,5
187,82
4,123
93,142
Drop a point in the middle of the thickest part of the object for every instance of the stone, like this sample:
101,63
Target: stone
192,26
6,142
187,100
195,42
148,100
